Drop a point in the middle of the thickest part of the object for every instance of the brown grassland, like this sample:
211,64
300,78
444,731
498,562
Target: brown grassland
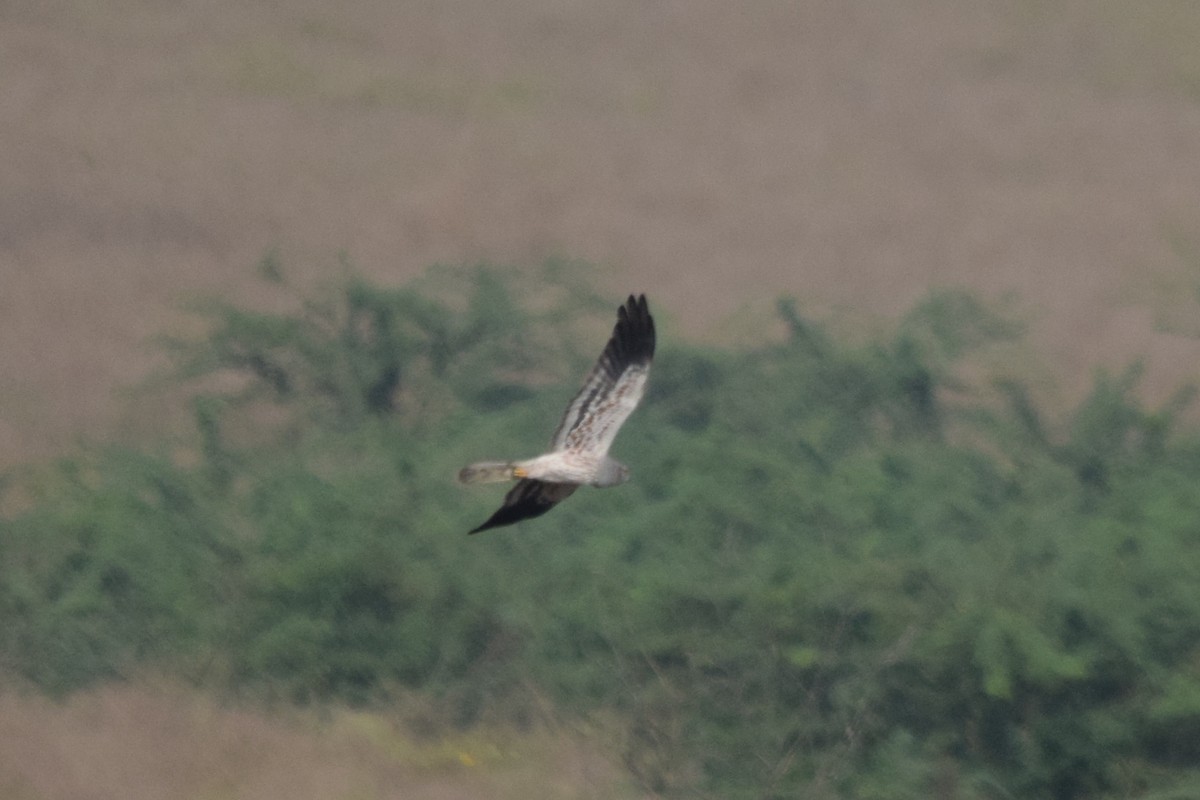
712,154
150,742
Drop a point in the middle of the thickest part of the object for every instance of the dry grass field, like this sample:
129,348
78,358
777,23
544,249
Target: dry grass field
853,154
160,743
713,154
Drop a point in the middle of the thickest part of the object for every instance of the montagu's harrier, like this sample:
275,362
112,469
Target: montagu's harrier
579,449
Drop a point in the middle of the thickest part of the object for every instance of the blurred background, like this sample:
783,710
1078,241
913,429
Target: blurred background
856,156
710,154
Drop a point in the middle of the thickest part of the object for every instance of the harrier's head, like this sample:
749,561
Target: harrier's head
611,473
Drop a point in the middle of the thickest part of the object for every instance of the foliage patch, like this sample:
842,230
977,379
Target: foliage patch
836,573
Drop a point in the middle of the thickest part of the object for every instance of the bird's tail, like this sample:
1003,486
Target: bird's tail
487,472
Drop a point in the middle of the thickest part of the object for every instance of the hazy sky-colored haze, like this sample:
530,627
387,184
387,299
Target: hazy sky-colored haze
712,154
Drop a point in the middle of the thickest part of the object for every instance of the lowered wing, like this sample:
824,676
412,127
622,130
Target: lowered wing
529,498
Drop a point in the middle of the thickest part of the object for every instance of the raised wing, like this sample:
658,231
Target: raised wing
529,498
614,386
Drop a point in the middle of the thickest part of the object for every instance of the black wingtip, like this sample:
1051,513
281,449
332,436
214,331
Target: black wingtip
634,331
508,515
503,516
490,523
528,499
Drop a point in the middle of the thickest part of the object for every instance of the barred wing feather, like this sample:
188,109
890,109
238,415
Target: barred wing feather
614,386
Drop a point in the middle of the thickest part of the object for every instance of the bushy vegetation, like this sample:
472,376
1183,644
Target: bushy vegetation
836,572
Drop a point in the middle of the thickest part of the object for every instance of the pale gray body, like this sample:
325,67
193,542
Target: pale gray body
579,447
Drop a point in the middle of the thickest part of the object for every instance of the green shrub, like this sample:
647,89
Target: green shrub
837,572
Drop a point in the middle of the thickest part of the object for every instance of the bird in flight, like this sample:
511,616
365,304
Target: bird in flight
579,449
